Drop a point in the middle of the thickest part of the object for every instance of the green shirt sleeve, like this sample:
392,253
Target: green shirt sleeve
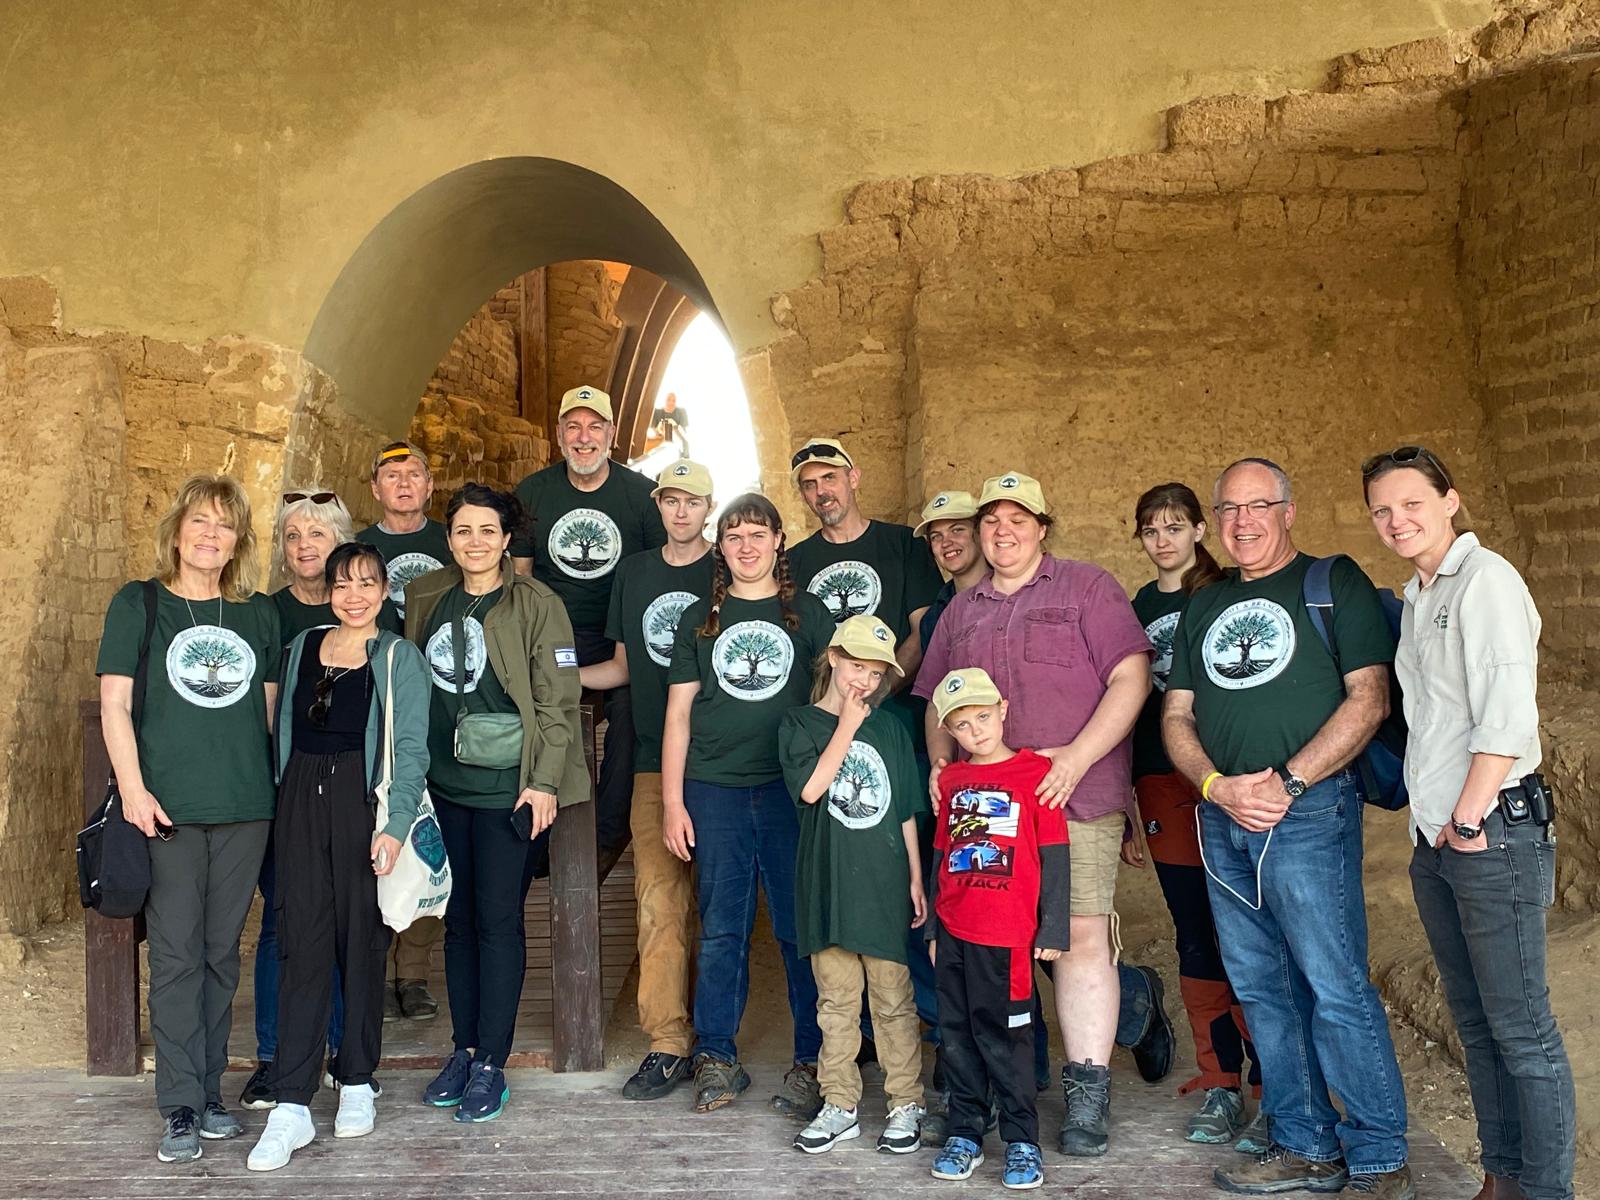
797,753
272,634
909,790
522,544
923,580
124,627
1360,627
1178,679
685,652
614,609
651,530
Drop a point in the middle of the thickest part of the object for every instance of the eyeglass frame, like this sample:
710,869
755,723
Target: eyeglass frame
1229,511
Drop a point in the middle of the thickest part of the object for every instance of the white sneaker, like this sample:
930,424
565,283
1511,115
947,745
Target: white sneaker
288,1129
902,1133
832,1124
355,1116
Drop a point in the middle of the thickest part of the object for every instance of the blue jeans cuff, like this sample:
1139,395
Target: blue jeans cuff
1376,1169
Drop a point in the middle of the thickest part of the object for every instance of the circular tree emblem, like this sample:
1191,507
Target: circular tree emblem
442,656
428,841
585,543
1160,633
1249,644
859,794
752,659
403,568
210,666
848,588
660,623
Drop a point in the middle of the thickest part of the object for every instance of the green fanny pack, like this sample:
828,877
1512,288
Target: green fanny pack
483,739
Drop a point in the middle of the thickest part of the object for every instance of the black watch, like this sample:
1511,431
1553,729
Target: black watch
1467,833
1292,783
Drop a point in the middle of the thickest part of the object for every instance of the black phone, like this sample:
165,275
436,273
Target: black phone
522,821
164,831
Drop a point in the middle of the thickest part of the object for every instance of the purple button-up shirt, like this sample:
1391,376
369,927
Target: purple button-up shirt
1050,648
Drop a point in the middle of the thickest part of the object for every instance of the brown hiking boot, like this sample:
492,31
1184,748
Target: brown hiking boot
1282,1170
1499,1187
1387,1185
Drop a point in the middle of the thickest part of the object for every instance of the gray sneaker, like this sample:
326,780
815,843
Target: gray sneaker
1220,1116
800,1097
217,1123
902,1132
1256,1137
181,1141
1085,1129
832,1124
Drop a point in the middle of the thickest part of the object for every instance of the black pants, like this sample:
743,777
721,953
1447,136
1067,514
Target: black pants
327,909
614,789
484,949
986,1029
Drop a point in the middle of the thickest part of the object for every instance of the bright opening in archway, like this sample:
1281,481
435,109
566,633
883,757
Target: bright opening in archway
704,377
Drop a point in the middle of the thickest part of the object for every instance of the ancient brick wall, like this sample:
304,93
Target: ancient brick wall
583,329
481,364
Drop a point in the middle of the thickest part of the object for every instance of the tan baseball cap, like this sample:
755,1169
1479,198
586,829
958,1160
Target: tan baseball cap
1018,488
868,639
685,476
586,397
820,450
963,689
946,506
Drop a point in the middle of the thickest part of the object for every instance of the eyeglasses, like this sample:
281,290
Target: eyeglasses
816,450
1404,456
314,497
1256,508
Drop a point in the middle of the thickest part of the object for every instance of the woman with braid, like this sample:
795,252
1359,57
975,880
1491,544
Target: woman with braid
741,660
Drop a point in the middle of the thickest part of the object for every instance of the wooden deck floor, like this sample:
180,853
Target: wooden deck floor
573,1135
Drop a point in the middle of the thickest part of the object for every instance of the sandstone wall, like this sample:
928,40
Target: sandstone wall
583,329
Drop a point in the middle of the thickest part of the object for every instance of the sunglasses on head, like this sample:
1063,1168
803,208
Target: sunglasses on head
815,450
1404,456
314,497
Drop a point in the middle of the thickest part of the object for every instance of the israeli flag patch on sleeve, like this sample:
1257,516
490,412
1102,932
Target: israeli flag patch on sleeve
566,656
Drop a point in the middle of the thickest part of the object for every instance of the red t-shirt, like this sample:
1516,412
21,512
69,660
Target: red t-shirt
990,828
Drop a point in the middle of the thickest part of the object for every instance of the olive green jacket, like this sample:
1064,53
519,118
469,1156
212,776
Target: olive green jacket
530,646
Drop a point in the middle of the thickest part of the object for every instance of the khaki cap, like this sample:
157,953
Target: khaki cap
868,639
820,450
963,689
1018,488
586,397
946,506
685,476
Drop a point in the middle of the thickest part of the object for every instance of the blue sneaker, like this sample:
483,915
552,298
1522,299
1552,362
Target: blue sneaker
486,1094
958,1159
447,1086
1024,1167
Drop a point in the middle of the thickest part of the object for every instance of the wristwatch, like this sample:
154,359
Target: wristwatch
1465,832
1292,783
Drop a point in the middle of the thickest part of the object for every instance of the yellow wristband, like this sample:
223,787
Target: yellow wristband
1205,784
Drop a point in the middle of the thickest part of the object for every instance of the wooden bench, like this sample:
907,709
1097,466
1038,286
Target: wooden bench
111,947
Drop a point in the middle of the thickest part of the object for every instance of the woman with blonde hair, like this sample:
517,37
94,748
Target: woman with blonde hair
187,667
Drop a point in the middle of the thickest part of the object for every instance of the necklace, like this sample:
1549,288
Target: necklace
195,622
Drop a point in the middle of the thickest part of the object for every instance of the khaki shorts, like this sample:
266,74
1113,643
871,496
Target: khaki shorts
1096,852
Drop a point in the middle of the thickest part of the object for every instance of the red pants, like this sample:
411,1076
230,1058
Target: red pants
1221,1041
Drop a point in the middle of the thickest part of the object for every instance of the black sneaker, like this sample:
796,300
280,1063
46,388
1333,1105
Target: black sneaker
181,1141
451,1081
258,1091
1153,1053
657,1075
416,1002
1085,1129
486,1094
800,1097
391,1005
217,1123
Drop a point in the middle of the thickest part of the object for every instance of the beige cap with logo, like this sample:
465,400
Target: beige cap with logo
685,476
963,689
586,397
820,450
1017,487
868,639
946,506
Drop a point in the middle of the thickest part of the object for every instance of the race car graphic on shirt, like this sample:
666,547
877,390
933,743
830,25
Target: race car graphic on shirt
976,818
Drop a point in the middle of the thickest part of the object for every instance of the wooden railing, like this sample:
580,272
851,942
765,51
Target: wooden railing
111,947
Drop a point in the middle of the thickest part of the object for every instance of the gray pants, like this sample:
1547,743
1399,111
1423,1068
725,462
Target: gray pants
201,885
1484,915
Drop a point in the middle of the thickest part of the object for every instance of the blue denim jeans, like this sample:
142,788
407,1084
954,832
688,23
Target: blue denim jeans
745,835
1484,915
1299,968
266,973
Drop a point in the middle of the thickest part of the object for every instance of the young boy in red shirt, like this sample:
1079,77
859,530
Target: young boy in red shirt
1002,890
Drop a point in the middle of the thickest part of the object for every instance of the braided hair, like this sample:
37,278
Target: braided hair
752,508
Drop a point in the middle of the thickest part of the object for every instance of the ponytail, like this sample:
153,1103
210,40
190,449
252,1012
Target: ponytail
1180,499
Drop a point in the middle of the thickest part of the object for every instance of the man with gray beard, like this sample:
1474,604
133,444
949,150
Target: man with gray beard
589,513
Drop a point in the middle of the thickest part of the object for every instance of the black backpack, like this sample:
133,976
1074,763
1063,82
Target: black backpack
114,856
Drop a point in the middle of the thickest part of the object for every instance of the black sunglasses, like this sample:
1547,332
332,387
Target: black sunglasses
314,497
807,453
321,692
1404,456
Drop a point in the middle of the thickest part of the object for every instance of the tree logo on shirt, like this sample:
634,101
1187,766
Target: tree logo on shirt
585,543
210,666
1160,633
1249,644
442,656
752,659
403,568
848,589
859,794
661,624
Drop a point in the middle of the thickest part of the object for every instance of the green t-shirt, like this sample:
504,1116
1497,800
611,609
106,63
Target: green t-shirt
578,538
1263,683
409,555
750,674
295,616
1158,612
647,598
852,878
475,787
203,744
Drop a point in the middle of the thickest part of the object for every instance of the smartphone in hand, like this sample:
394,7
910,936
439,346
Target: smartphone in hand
522,821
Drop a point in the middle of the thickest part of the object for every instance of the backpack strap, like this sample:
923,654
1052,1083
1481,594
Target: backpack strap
141,673
1318,594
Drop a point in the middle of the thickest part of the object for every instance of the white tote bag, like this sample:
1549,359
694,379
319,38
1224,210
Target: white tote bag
419,885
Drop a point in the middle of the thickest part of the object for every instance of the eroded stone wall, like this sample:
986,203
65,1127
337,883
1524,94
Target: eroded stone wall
583,329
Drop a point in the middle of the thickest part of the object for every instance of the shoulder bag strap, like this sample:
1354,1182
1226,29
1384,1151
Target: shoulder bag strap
388,726
1318,593
458,644
141,673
